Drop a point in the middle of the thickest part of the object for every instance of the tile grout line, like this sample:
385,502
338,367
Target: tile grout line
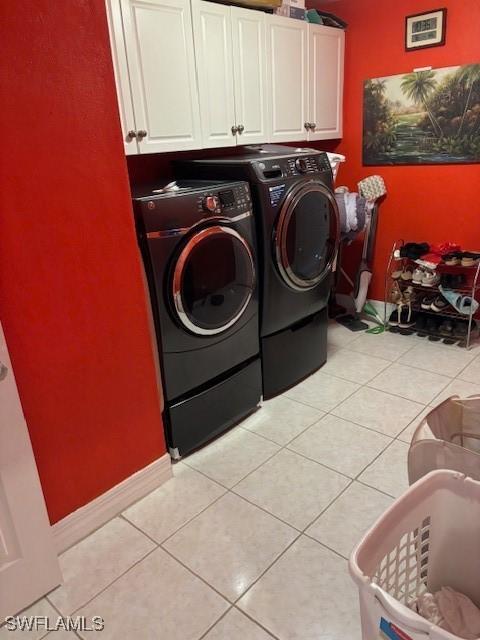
87,602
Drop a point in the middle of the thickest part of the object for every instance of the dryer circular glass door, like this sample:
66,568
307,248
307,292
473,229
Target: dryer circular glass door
306,235
213,280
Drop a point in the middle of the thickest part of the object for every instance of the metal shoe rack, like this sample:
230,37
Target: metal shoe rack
472,288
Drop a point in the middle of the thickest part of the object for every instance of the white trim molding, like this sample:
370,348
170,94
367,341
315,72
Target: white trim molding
93,515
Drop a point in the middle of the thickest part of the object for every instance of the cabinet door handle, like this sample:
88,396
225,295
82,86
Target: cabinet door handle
241,128
307,125
141,134
234,130
131,135
313,125
3,371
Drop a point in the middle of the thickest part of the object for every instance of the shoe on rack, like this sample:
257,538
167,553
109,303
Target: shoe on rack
446,328
417,276
430,279
439,304
409,295
420,325
394,318
465,305
460,329
432,328
451,259
452,280
406,274
407,318
414,250
426,303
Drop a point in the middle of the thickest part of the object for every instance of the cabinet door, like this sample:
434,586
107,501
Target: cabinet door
326,50
213,54
120,68
287,77
159,45
249,64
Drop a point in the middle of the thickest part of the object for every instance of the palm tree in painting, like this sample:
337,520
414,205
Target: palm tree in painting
418,86
469,75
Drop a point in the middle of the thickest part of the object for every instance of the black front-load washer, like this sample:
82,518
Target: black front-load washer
198,243
298,234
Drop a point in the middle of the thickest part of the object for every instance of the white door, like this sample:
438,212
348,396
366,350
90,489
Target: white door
213,53
249,65
161,64
120,68
28,563
326,51
287,78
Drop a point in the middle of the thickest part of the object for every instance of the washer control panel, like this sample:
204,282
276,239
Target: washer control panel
169,212
230,201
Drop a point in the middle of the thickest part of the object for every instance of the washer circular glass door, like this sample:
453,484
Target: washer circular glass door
306,235
213,280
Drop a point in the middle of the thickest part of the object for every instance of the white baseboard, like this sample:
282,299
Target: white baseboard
85,520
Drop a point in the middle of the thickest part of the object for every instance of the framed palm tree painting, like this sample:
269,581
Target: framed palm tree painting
430,116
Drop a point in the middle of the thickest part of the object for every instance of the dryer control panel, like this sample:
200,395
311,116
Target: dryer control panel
285,167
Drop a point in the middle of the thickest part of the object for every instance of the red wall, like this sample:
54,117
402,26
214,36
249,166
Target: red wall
431,203
71,296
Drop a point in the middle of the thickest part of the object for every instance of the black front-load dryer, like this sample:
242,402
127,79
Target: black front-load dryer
298,235
198,243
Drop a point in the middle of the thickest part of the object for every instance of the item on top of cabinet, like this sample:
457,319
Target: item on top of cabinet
328,19
289,10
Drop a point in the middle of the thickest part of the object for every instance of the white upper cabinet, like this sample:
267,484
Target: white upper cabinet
325,81
287,64
194,74
161,66
213,51
249,72
120,67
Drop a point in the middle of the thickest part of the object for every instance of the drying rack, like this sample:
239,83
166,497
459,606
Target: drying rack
472,289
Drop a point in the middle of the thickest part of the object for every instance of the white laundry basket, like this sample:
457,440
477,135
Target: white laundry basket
447,438
428,539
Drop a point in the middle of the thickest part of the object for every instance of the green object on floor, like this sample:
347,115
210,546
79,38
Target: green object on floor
370,310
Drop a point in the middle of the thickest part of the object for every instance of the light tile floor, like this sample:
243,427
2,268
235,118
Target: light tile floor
250,540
